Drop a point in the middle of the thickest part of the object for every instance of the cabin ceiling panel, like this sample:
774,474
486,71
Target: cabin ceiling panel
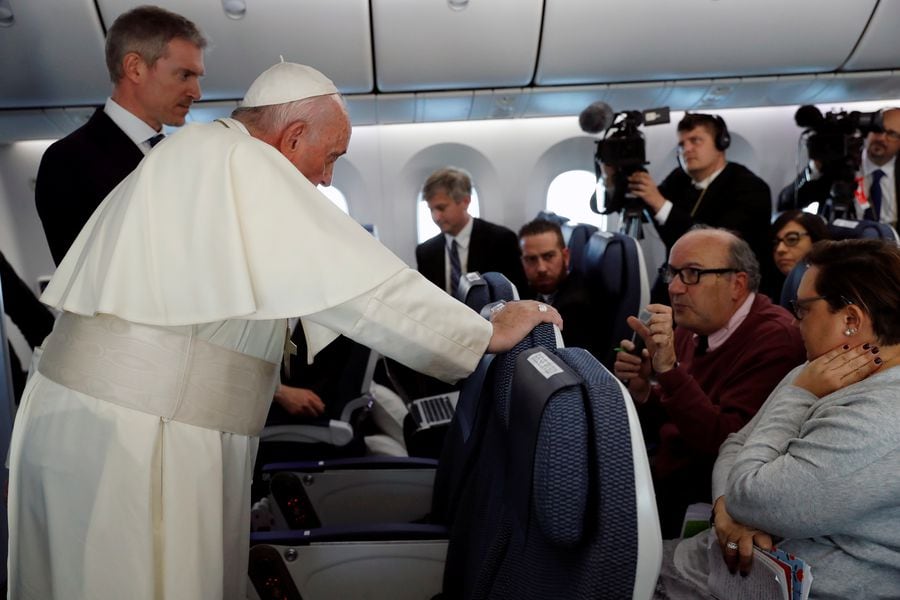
362,109
879,47
563,101
636,96
425,45
443,106
596,41
508,103
28,124
395,108
331,35
52,55
852,87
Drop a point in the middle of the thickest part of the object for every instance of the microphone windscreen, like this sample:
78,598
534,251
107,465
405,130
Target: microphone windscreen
596,117
808,117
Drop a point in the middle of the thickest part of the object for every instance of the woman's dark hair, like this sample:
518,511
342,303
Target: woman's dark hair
865,272
813,224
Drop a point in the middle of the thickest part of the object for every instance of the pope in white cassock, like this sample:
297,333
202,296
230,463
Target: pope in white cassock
133,446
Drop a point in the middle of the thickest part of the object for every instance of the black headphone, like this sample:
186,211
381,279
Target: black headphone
723,138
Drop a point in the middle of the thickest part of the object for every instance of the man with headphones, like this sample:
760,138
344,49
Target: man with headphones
707,188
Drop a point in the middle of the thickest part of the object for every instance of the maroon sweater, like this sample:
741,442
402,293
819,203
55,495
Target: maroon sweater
706,397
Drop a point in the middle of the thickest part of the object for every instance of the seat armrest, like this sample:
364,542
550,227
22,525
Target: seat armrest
408,567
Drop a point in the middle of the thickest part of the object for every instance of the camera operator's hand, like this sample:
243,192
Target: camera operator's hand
642,185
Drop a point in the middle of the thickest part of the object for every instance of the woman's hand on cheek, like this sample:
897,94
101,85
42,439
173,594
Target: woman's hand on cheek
838,368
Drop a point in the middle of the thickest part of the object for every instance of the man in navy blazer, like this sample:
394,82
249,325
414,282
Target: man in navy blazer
155,61
481,246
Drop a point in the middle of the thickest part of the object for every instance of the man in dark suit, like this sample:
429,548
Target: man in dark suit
545,259
707,189
155,61
465,244
879,172
878,165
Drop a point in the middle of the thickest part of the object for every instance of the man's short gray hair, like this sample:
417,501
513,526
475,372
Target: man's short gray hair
452,181
146,30
740,255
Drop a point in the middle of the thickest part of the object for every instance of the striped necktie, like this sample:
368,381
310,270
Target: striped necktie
455,268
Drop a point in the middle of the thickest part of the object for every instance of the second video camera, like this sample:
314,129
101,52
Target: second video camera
622,147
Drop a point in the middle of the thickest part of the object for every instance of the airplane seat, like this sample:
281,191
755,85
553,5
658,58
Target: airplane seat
342,375
613,266
424,428
792,284
315,563
846,229
562,502
327,492
577,243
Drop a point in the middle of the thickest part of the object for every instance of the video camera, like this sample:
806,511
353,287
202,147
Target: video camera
835,141
622,147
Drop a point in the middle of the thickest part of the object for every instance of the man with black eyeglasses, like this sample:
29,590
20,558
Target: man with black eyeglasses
711,359
878,177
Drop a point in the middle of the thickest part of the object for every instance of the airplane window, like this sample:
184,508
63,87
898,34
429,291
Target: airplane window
426,227
569,195
813,208
336,196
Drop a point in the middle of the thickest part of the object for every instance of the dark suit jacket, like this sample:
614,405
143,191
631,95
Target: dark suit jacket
491,248
76,174
818,190
585,319
737,200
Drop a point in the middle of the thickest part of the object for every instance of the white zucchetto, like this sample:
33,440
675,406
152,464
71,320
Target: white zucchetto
287,82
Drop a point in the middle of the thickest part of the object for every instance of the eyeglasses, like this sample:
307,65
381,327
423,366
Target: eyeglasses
689,275
800,306
894,136
790,239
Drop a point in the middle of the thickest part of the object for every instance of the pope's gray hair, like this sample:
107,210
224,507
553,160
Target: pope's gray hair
271,120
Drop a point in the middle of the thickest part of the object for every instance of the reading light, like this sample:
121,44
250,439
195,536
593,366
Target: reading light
458,4
7,17
235,9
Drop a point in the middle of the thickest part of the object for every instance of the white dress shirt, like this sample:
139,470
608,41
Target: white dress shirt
888,212
136,129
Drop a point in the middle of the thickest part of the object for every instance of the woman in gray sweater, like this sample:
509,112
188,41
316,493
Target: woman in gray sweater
816,470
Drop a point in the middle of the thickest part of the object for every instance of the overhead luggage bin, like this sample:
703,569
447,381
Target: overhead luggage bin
51,54
879,47
851,87
597,41
455,44
243,44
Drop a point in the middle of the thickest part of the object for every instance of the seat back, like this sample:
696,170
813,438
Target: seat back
563,500
613,268
462,443
577,241
845,229
477,290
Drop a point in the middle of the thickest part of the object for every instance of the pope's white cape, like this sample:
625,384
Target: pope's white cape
184,239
